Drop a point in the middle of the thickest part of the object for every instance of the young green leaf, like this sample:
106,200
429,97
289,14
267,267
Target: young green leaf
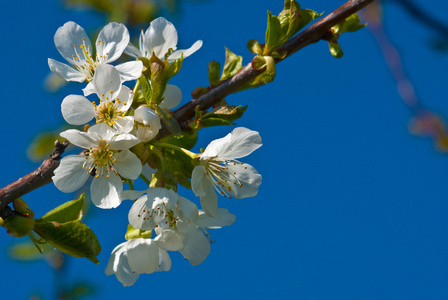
213,72
232,64
72,238
69,211
273,34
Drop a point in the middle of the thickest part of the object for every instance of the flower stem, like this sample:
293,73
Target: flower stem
145,179
180,149
131,186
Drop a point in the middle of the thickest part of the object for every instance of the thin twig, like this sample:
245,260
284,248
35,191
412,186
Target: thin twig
39,177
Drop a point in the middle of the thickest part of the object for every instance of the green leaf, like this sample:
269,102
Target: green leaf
69,211
170,123
232,64
146,87
24,252
350,24
223,115
186,140
72,238
173,68
273,33
209,122
306,16
255,47
43,145
213,72
180,167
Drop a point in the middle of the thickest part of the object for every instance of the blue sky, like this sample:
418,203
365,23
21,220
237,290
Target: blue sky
352,206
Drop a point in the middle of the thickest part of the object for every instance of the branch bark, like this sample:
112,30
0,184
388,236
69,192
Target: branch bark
42,175
39,177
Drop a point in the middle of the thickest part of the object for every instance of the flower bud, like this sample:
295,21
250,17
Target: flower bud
147,123
18,226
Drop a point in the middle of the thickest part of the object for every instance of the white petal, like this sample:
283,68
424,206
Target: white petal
125,96
124,273
242,143
224,218
89,89
168,197
105,192
124,124
67,37
164,261
197,247
248,180
178,54
101,131
147,116
77,110
79,138
123,141
115,37
203,188
70,176
114,260
130,70
171,97
118,265
143,255
128,164
159,37
65,71
169,239
106,80
133,51
139,214
215,147
189,209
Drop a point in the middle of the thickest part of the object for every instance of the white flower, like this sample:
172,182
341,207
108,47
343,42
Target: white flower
141,256
160,36
74,45
147,123
115,100
219,170
108,157
160,208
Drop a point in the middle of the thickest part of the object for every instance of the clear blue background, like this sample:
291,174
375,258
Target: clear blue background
351,206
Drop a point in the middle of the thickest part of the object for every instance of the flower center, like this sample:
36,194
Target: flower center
100,160
108,111
224,180
84,61
160,215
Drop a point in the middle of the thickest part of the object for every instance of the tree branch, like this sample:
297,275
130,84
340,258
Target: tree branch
42,175
309,36
39,177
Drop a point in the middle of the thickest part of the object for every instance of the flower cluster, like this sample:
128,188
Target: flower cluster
121,139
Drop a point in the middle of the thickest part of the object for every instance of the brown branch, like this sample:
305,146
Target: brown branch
39,177
309,36
42,175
